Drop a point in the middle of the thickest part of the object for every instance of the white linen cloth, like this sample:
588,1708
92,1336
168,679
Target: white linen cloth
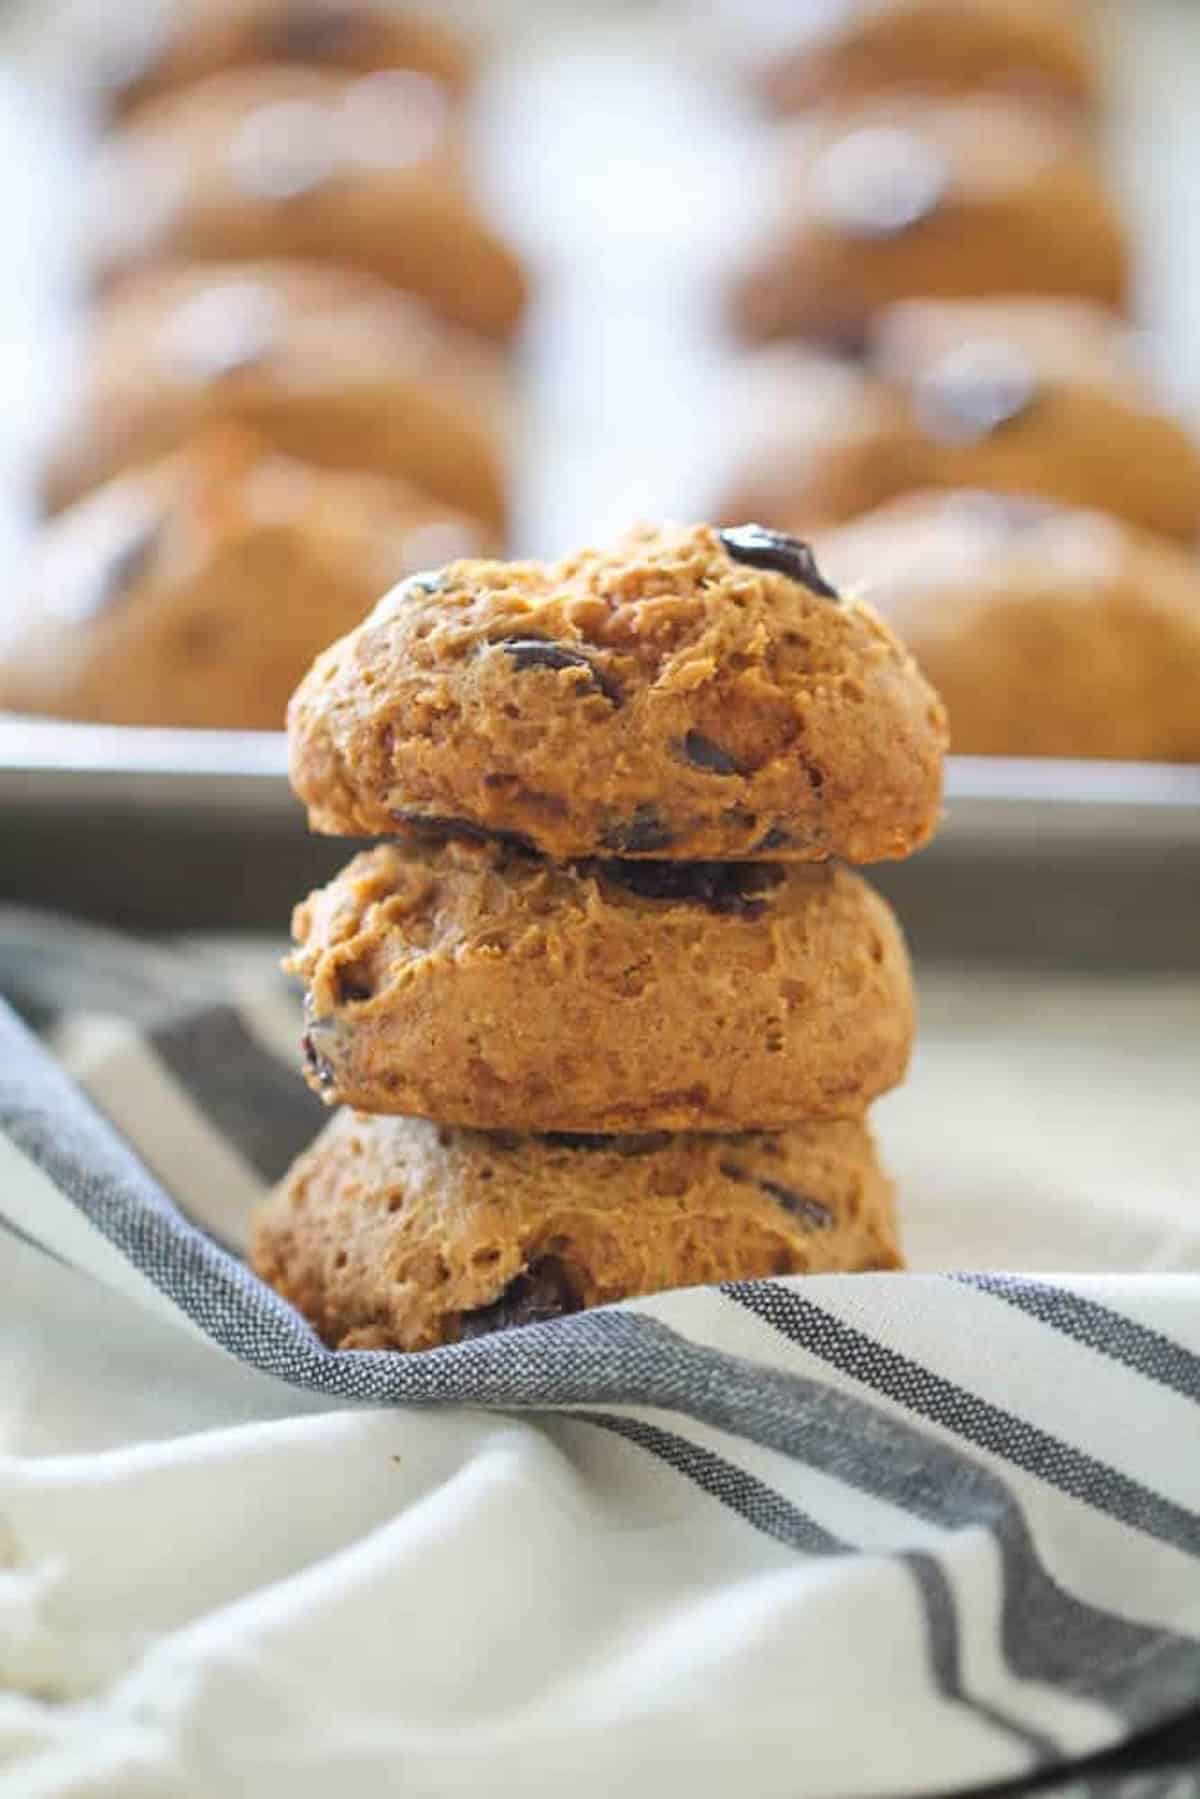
878,1535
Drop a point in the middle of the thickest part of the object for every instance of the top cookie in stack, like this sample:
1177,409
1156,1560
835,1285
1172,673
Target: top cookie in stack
687,695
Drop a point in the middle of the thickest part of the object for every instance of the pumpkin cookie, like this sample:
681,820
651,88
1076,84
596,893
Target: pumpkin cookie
392,1233
162,44
477,984
1049,632
331,366
1023,396
367,172
688,694
196,591
902,199
1038,49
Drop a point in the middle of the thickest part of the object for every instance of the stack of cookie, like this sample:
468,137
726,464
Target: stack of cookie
287,242
609,1004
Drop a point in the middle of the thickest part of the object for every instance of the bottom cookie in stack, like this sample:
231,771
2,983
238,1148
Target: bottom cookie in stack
397,1233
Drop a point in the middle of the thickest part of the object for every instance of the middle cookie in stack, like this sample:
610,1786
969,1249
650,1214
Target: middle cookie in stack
608,951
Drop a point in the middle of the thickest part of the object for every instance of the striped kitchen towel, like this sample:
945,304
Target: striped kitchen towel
848,1536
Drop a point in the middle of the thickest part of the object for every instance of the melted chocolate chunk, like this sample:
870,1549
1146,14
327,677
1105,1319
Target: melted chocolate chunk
426,581
321,1067
640,835
623,1143
758,547
542,1292
543,652
703,753
799,1205
740,889
310,31
353,988
443,830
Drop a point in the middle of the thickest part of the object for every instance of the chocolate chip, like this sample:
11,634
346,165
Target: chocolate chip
739,889
798,1205
321,1067
640,835
774,839
623,1143
463,830
541,1293
975,390
813,1213
703,753
758,547
310,31
543,652
353,986
426,580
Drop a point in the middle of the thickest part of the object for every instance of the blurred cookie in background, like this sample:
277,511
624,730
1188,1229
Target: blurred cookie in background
1048,631
331,366
1025,396
369,172
198,590
901,199
822,50
162,44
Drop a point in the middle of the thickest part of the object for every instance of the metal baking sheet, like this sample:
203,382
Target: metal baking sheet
994,804
621,155
1083,865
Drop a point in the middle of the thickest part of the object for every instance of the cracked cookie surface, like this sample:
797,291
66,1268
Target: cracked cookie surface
689,694
476,984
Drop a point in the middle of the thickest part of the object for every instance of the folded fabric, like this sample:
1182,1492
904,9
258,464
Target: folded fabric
840,1535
